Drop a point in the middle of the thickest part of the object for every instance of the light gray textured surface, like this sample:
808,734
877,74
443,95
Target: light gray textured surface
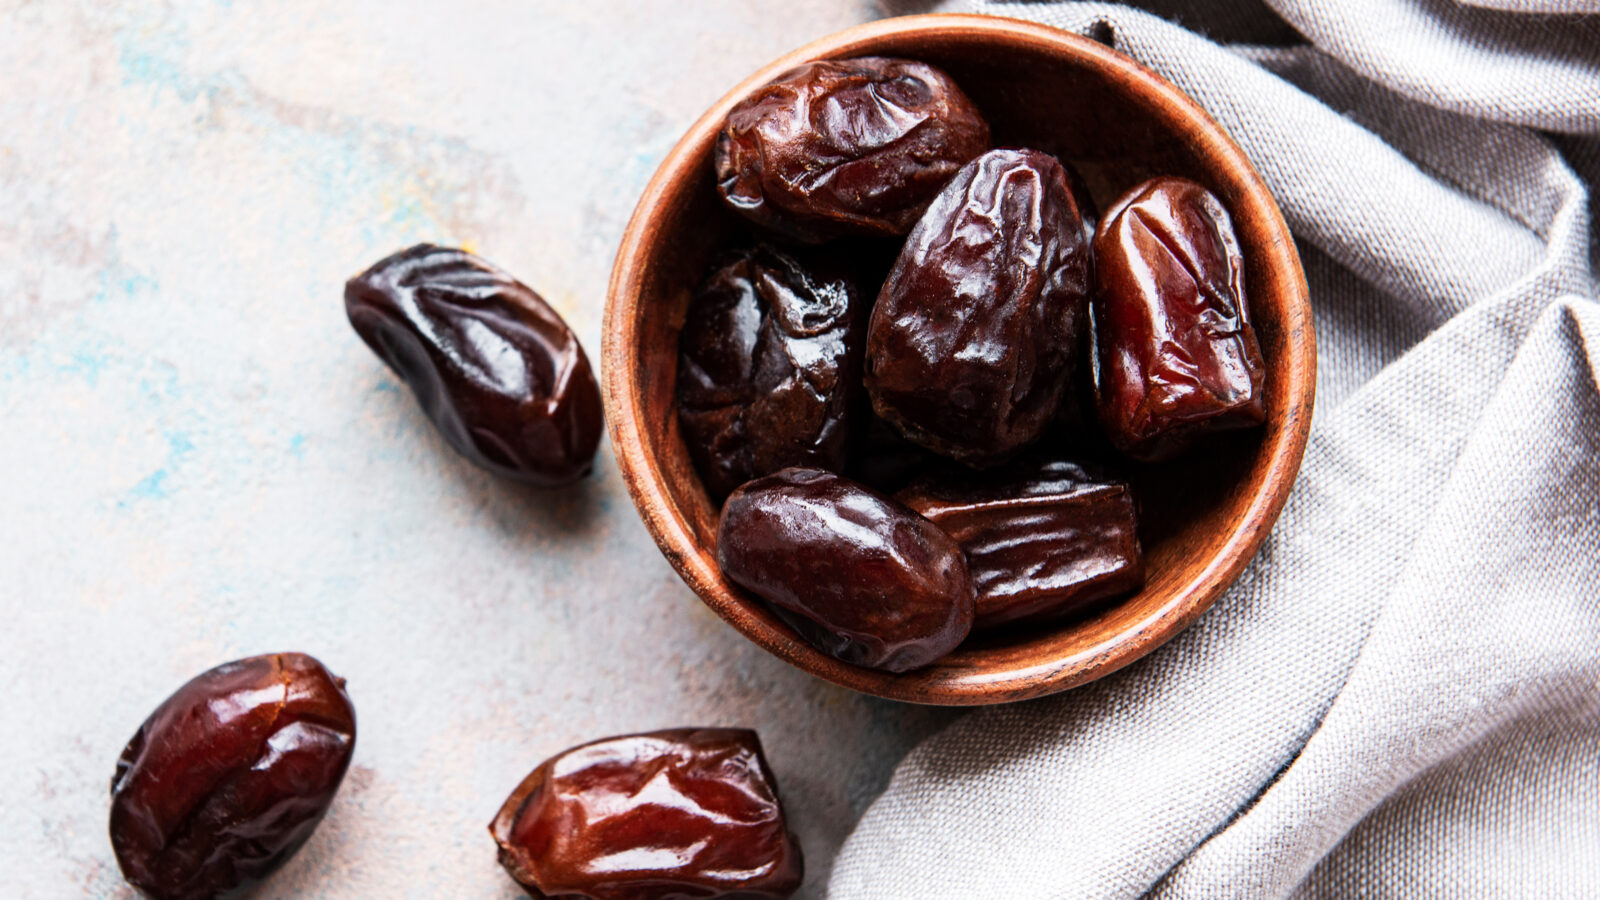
203,462
1400,698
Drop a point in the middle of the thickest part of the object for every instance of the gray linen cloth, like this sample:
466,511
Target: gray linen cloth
1401,696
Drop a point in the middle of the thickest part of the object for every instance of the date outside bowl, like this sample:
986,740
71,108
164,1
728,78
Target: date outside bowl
1203,516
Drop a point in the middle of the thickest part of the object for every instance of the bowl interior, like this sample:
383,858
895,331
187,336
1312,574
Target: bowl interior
1202,516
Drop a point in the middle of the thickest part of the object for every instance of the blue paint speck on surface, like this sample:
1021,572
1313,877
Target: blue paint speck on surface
154,486
89,364
118,280
147,53
297,446
388,386
178,444
151,487
133,283
139,64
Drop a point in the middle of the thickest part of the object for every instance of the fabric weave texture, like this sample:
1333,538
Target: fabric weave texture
1401,695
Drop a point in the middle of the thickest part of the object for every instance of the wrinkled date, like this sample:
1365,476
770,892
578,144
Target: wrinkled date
688,813
1175,353
230,775
1042,541
854,146
978,326
497,370
864,578
769,368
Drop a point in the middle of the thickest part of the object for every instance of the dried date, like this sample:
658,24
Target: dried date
860,576
853,146
978,327
670,815
1042,541
494,367
1175,355
769,369
229,776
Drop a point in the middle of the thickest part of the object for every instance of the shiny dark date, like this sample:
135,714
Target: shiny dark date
841,147
769,369
861,577
494,367
229,776
978,327
670,815
1175,354
1042,540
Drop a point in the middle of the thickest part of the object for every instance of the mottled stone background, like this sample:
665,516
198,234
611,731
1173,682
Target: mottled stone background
201,461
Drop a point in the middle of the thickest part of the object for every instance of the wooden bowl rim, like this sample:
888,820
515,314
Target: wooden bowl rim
672,532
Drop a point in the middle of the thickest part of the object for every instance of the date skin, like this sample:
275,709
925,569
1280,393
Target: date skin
685,814
979,325
494,367
846,147
229,776
861,577
769,369
1043,540
1175,356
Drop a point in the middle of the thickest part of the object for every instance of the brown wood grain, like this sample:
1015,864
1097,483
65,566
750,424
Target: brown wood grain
1203,516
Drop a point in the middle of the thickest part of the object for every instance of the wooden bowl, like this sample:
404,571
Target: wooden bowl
1203,517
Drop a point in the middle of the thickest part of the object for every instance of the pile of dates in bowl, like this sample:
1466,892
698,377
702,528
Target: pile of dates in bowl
949,372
